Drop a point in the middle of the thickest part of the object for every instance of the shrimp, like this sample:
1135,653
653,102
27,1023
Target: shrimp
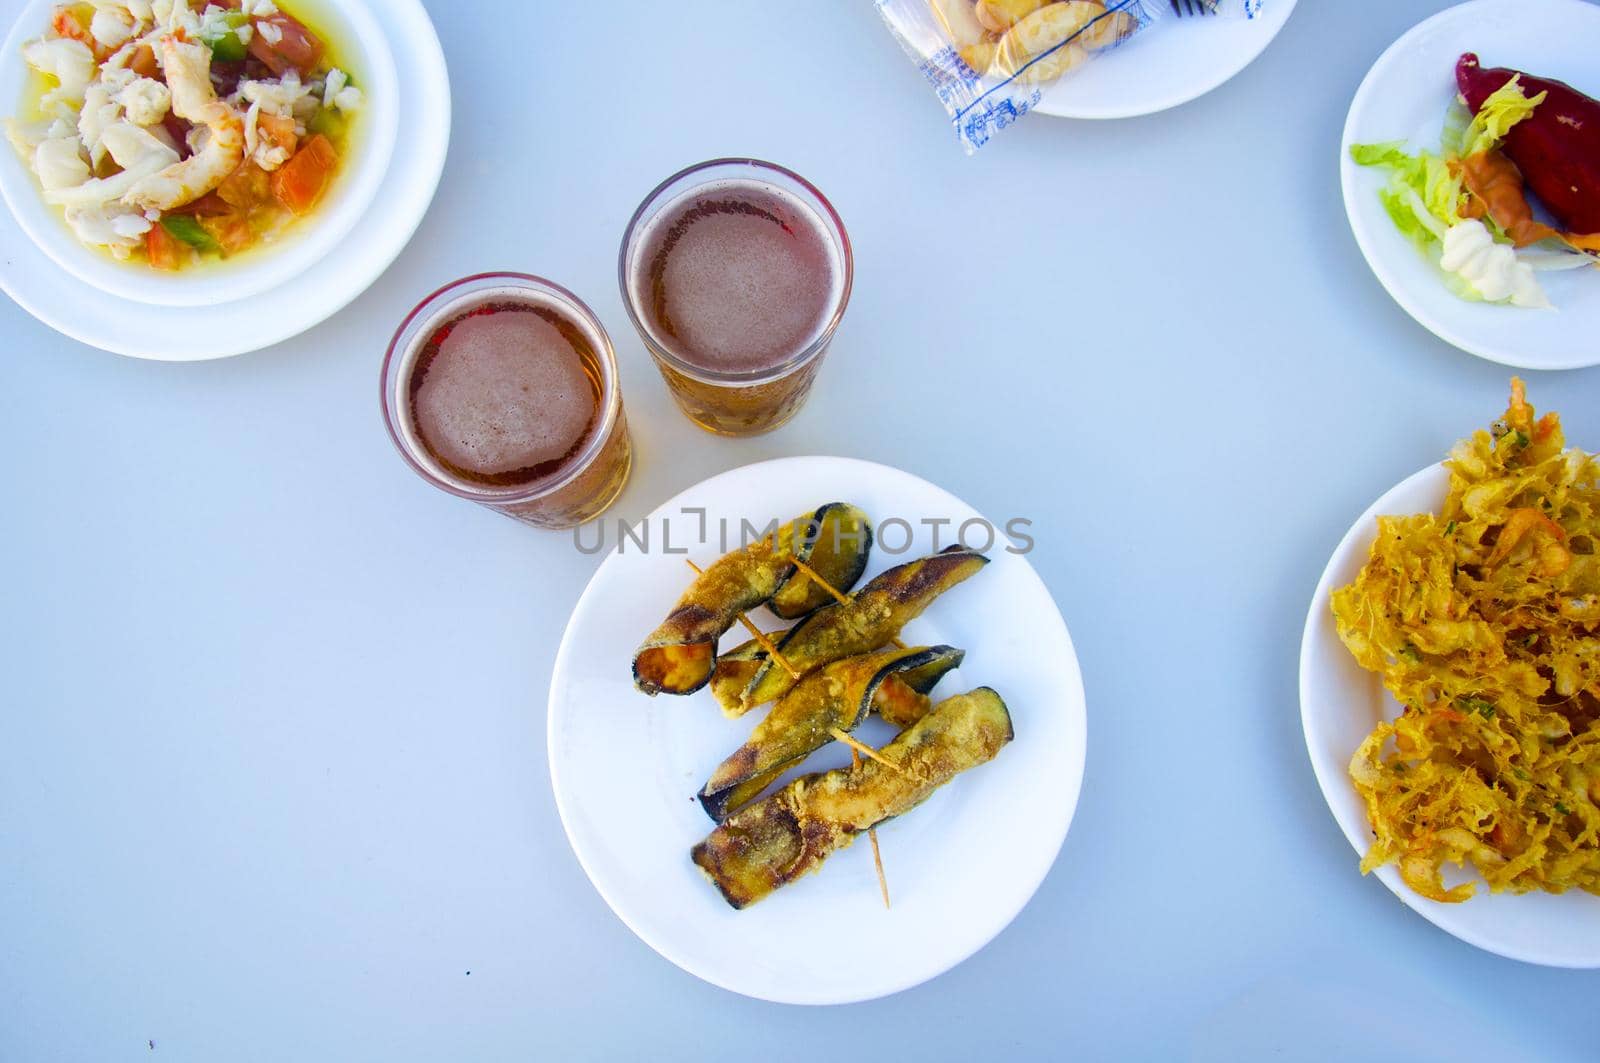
1554,558
188,71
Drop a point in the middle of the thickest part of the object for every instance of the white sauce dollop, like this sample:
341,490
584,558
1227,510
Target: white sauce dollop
1493,269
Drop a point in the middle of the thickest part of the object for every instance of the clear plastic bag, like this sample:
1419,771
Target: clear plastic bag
990,61
1235,8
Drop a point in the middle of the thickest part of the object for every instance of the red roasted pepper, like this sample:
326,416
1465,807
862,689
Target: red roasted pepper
1557,148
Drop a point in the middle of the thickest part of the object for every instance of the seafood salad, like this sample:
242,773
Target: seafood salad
170,134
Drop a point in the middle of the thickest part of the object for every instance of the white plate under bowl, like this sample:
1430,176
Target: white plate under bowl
364,46
1340,704
1175,61
1405,97
626,767
144,330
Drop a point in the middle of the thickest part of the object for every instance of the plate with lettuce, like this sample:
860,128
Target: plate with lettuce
1471,175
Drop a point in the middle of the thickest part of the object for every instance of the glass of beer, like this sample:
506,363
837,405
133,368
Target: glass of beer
736,273
502,388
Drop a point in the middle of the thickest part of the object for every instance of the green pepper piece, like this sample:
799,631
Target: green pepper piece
225,45
190,231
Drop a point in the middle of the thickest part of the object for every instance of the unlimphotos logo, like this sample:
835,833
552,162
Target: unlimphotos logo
895,535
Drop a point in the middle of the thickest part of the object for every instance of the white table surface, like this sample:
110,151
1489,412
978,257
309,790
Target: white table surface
272,759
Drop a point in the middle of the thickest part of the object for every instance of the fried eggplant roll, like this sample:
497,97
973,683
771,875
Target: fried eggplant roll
839,556
734,671
788,835
680,655
894,682
871,619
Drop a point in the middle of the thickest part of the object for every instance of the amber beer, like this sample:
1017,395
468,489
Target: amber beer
736,273
502,388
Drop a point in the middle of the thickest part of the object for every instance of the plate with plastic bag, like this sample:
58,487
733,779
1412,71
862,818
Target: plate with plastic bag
1173,62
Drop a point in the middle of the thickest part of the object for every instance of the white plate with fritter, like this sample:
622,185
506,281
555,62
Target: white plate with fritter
1340,704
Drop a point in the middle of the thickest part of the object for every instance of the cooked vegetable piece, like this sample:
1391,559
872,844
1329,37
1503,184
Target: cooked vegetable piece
840,557
189,230
300,182
879,610
788,835
209,205
223,40
247,187
904,702
232,232
283,43
144,62
1496,187
680,655
163,249
1557,148
279,129
735,669
838,696
742,662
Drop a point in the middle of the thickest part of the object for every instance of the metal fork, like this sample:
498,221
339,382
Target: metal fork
1192,7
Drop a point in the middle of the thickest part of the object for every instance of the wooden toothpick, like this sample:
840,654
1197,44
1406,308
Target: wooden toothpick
839,596
866,750
760,636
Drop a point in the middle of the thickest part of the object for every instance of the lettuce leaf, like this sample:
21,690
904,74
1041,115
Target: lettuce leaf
1504,108
1457,120
1422,197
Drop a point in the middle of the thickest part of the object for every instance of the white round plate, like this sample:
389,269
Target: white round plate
1340,704
1171,63
1405,97
626,767
143,330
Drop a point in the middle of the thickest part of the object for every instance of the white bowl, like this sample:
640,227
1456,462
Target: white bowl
144,330
355,27
1340,704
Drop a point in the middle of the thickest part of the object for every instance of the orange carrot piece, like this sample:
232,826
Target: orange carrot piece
163,249
278,129
300,182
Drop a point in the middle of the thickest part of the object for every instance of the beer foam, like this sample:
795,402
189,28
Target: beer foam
504,393
744,277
